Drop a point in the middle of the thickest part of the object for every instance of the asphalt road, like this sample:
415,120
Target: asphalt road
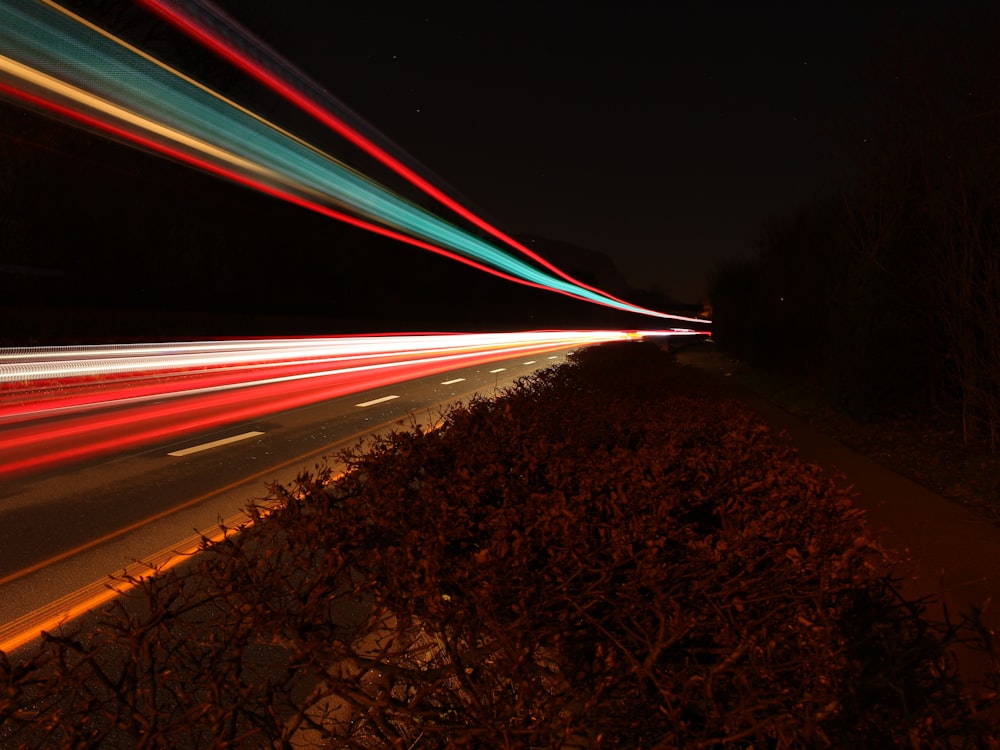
65,531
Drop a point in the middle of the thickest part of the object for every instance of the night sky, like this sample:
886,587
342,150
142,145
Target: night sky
662,134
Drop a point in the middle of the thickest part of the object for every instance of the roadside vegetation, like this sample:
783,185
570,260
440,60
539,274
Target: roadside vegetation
886,293
881,300
610,553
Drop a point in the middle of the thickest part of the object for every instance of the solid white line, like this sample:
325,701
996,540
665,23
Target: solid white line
377,401
499,369
452,382
530,362
214,444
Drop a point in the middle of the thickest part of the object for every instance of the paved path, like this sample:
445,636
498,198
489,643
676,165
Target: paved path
949,552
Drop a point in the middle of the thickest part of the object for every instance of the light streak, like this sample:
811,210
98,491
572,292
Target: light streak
671,332
283,78
218,170
37,363
170,390
56,60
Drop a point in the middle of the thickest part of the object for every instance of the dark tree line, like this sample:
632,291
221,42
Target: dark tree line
889,292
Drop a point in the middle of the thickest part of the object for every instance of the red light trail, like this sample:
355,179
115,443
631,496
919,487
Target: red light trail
60,62
63,404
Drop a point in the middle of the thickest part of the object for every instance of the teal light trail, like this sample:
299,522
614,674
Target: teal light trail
56,57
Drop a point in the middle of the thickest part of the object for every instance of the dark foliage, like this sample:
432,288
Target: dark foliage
889,294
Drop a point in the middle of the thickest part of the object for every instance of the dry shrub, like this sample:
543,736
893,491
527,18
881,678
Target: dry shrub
607,555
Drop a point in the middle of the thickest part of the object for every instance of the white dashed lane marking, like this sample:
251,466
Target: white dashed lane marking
214,444
499,369
377,401
530,362
452,382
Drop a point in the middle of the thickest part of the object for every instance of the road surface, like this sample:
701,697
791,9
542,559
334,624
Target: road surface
64,530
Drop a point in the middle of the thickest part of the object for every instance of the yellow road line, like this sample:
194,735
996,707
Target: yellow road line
66,608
